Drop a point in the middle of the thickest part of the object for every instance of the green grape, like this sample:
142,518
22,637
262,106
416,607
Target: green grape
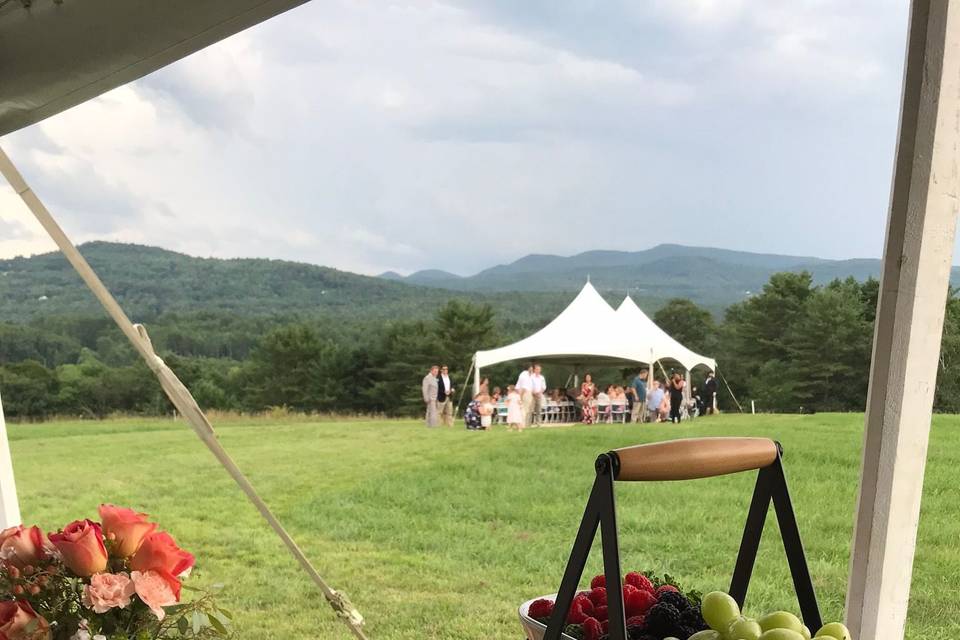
744,629
834,630
781,634
781,620
719,610
805,632
707,634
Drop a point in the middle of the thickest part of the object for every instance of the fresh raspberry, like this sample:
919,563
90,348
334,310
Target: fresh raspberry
601,613
638,602
636,621
605,626
640,581
598,596
628,589
576,614
667,587
585,603
541,608
598,581
592,629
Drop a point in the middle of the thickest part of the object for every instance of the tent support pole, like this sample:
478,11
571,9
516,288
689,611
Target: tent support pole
178,394
917,258
463,389
9,505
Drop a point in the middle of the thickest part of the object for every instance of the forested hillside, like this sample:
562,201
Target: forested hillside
249,335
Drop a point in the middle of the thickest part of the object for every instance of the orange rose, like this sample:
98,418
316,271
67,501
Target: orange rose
18,621
22,546
159,552
125,528
81,546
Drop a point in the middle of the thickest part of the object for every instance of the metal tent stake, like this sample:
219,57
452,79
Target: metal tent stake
680,460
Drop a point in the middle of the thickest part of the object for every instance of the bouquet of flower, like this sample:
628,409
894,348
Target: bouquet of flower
119,579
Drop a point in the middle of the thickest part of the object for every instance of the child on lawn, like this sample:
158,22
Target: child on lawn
514,409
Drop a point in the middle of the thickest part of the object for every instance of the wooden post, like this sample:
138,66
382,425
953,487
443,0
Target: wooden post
9,506
916,270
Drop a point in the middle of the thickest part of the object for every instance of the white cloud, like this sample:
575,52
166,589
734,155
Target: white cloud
420,134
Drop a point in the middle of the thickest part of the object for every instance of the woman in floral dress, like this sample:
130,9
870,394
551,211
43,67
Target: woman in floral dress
587,391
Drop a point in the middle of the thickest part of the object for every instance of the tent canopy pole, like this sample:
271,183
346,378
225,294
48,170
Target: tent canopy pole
917,259
9,505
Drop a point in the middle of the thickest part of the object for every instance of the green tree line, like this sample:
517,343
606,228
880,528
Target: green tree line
791,347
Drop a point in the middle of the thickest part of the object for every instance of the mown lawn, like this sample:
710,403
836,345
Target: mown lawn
441,533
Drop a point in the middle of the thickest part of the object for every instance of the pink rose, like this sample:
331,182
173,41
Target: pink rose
159,552
22,546
125,527
81,546
157,589
18,621
108,590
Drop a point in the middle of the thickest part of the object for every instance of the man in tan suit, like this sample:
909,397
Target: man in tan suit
430,391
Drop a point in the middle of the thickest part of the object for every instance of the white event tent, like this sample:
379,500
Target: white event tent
589,331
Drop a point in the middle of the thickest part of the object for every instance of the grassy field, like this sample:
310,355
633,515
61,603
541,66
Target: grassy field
441,533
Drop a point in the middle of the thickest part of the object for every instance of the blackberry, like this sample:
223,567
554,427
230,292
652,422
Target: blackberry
676,599
637,632
574,631
662,618
693,618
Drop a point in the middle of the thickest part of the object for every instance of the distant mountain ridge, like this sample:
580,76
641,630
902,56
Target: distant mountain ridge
709,275
150,281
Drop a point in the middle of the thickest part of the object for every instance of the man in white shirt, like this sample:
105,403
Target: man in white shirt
524,387
538,386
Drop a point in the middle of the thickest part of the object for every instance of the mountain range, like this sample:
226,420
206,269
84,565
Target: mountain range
708,275
150,281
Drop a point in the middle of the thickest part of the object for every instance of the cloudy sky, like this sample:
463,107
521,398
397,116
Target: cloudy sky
461,134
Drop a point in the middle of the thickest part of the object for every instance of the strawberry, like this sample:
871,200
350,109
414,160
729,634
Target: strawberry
541,608
640,581
637,602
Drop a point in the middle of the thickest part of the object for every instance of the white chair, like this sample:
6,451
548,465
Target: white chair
618,411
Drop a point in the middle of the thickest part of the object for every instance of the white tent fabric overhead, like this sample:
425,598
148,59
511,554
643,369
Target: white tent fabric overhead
590,331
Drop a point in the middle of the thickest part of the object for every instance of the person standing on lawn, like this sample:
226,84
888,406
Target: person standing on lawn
710,392
676,385
445,396
429,387
514,409
654,400
538,386
524,387
639,385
